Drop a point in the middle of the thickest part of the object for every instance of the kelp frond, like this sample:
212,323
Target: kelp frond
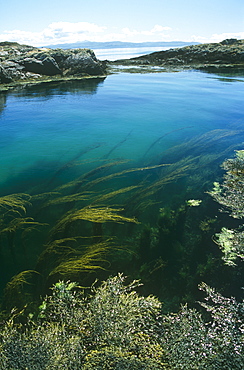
112,194
15,285
44,196
60,249
21,223
176,171
93,214
15,293
91,259
121,173
16,202
20,279
67,199
96,171
198,145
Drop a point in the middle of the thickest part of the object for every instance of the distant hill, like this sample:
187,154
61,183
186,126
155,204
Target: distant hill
120,44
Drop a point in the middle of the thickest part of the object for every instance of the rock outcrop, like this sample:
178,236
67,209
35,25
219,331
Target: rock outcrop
226,54
20,63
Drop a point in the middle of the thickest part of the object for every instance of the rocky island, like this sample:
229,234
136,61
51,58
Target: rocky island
23,64
225,56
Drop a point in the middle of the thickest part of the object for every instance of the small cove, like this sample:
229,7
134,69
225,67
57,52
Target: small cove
53,134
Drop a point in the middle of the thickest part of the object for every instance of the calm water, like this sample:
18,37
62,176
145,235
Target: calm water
52,134
122,53
125,116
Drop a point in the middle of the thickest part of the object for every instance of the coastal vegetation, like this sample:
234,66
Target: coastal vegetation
61,239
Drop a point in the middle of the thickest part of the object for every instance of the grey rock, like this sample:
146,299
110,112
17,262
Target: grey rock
51,67
46,67
229,53
23,62
83,62
14,70
4,75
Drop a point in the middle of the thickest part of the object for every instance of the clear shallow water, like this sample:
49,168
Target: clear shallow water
52,134
125,116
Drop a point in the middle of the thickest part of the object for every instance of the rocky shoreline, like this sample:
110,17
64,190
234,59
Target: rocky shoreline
226,56
23,64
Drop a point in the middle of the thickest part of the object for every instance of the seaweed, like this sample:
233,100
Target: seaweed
15,202
91,214
15,293
117,145
89,260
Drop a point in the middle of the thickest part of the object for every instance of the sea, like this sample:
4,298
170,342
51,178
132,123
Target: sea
126,53
155,139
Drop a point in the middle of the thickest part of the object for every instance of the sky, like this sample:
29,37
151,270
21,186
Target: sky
50,22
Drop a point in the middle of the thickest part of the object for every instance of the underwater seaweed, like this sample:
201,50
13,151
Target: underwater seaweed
90,259
15,294
92,214
15,202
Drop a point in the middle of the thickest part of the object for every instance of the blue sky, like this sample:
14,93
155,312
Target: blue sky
54,21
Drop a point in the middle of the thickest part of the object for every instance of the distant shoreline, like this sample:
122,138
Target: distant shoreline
226,56
22,65
120,44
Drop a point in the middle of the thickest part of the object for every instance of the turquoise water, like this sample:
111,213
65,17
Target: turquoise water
126,116
52,134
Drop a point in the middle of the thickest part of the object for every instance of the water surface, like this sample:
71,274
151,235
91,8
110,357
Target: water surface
112,134
126,116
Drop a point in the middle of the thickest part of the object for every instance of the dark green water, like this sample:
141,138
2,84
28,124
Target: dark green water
110,136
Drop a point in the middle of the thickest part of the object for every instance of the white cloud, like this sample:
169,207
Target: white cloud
218,37
55,33
74,28
158,28
67,32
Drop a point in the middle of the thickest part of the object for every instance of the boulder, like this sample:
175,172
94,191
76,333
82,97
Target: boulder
83,62
23,63
47,67
4,75
51,67
14,70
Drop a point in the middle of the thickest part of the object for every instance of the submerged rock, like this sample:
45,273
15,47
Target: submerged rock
20,63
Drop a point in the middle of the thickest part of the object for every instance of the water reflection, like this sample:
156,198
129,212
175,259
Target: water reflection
2,102
80,87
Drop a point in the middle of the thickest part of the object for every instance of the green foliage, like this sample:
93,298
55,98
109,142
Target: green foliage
192,343
109,327
112,327
230,194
